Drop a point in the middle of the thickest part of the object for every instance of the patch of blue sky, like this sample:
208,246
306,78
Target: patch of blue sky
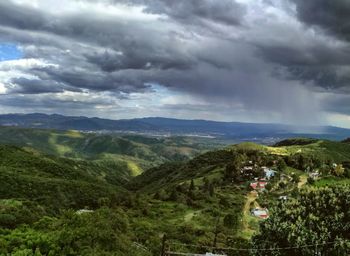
10,51
161,92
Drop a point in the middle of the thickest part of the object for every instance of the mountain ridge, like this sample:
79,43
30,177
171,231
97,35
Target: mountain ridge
172,126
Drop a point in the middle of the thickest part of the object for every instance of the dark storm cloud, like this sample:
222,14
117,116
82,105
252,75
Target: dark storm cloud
332,16
43,102
133,40
30,86
321,57
338,104
110,62
227,12
125,82
309,55
243,55
317,55
128,55
21,17
318,63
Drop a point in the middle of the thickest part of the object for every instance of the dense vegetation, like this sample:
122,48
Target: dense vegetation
317,217
80,205
55,183
103,232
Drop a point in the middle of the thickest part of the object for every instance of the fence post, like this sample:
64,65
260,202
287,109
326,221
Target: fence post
216,232
163,245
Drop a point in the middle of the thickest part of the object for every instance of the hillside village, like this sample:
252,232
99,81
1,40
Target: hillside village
264,180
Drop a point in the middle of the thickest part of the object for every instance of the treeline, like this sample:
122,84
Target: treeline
103,232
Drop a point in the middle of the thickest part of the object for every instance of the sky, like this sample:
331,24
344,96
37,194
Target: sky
275,61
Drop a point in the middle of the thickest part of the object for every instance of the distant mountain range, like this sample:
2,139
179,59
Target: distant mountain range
169,126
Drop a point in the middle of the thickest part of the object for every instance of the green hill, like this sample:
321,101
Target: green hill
212,163
129,155
346,140
174,173
221,188
323,149
53,182
192,201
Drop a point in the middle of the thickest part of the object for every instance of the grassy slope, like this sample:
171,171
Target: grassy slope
205,165
336,151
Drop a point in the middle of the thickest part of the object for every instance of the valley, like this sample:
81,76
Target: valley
73,193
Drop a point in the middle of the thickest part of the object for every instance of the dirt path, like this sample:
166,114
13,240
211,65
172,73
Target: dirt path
189,216
303,180
251,198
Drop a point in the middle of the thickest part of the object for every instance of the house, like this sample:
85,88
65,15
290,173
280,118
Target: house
247,168
81,211
262,213
286,177
314,174
262,184
258,184
269,173
254,185
283,198
247,171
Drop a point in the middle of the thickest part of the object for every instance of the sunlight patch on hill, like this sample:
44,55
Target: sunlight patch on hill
74,134
61,150
134,169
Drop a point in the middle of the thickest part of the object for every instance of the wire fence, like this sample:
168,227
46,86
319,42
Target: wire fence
317,249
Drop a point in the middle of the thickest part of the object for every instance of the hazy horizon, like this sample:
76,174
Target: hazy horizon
302,129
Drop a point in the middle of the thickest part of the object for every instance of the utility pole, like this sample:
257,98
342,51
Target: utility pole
216,231
163,245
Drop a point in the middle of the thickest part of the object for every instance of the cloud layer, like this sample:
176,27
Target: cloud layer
266,61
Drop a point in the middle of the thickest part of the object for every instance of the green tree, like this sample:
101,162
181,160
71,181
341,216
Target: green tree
211,189
281,164
192,187
295,178
310,180
339,170
230,220
173,195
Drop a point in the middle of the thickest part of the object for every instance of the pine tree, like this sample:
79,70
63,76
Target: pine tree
173,195
192,187
211,189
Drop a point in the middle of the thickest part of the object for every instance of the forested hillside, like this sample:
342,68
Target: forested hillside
55,183
247,198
